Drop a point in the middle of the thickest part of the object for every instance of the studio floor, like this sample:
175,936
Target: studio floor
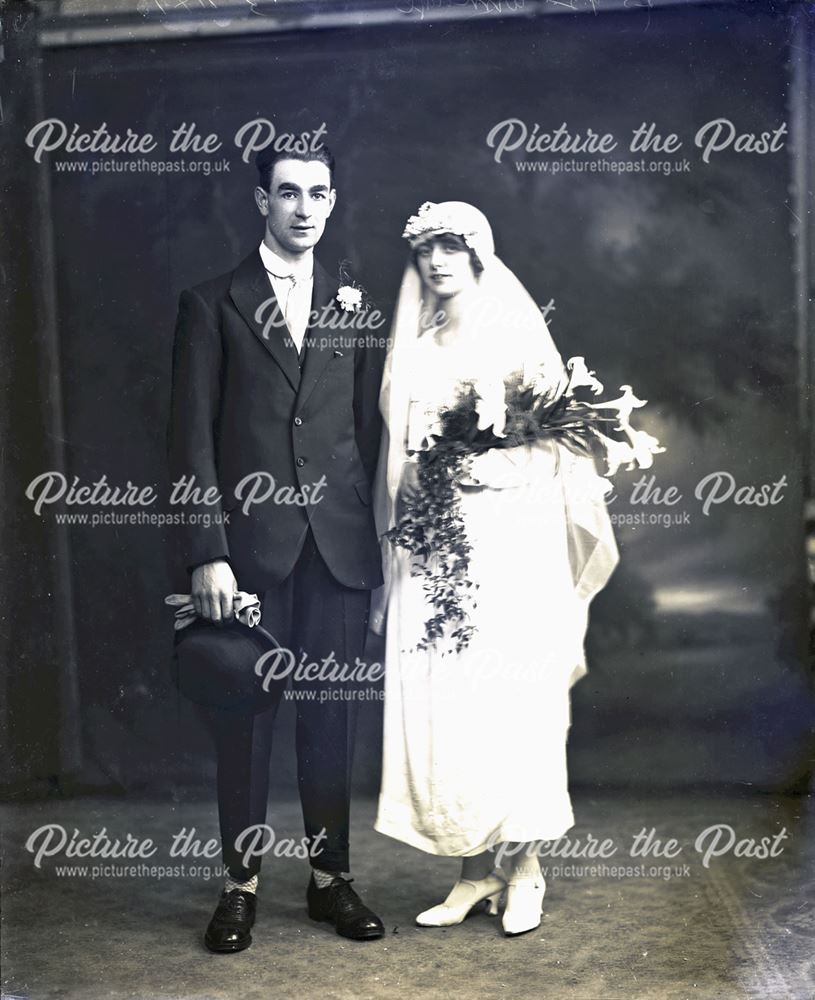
740,928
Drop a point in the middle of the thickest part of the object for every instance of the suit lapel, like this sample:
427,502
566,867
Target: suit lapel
255,300
319,336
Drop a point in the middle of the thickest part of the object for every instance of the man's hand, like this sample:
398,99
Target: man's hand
213,586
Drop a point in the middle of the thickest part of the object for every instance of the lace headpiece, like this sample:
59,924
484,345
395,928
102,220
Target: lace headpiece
456,217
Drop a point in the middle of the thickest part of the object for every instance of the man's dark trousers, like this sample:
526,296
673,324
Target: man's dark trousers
312,615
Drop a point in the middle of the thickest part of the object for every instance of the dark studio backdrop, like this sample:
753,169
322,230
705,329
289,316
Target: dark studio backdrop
681,285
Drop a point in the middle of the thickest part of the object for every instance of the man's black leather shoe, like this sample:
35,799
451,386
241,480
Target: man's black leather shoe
231,924
339,905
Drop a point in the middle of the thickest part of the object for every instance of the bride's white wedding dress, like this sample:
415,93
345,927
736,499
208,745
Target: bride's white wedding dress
475,742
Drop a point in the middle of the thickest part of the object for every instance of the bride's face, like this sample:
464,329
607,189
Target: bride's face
445,265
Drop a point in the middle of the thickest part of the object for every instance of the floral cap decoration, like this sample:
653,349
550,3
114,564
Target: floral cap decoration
456,217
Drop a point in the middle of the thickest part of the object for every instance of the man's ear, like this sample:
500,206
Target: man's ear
332,199
262,200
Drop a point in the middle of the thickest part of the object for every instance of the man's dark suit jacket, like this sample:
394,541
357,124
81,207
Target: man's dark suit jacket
241,404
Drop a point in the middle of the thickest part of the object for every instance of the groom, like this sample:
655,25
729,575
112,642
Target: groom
272,400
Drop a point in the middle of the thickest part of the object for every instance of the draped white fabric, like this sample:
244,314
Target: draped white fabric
475,742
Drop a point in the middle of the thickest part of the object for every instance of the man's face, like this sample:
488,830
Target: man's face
298,203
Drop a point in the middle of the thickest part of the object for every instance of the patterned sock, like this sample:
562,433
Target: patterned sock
324,879
250,885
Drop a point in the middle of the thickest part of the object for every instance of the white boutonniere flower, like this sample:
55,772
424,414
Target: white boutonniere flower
349,298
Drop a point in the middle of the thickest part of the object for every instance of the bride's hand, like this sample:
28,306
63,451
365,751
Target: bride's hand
471,479
486,469
499,468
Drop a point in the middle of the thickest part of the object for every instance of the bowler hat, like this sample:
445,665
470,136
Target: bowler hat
214,665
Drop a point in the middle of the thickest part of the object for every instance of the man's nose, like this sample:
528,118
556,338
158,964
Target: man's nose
303,210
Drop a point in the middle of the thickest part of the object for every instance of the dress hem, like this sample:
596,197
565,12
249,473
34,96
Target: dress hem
414,838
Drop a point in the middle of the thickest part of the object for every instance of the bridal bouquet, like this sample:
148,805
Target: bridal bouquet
501,414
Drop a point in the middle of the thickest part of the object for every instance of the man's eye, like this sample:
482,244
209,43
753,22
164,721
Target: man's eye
288,194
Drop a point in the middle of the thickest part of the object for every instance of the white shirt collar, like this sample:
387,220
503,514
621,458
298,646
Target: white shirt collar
303,270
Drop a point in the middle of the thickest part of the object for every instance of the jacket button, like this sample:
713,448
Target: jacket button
301,462
297,422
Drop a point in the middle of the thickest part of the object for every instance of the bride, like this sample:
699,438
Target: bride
474,762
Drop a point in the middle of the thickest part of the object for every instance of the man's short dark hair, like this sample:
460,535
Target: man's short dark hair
266,159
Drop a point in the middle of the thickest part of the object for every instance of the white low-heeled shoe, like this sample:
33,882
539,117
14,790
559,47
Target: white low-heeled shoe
446,915
524,903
